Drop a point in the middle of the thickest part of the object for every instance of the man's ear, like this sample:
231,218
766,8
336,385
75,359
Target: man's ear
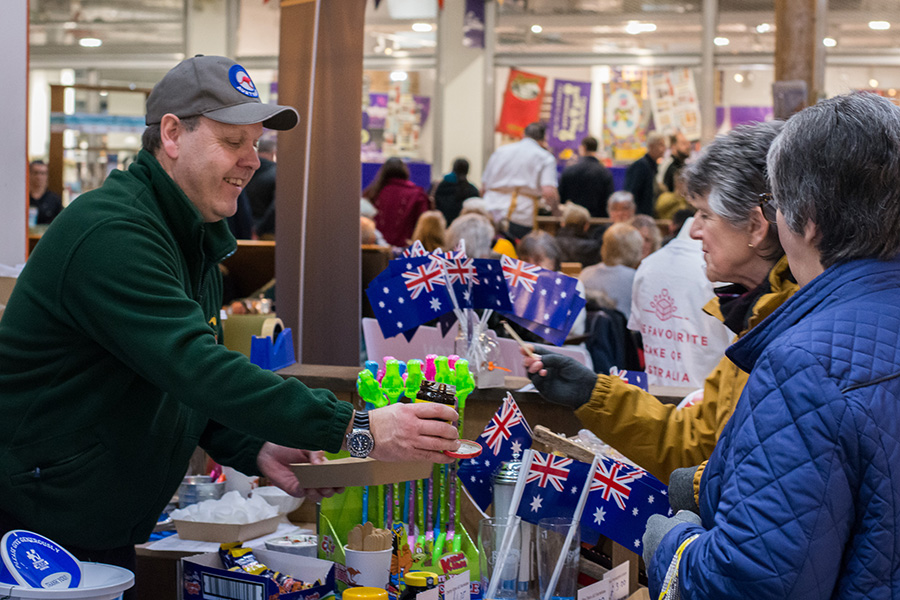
170,132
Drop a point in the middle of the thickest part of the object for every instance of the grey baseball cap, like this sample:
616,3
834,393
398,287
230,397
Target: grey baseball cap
218,88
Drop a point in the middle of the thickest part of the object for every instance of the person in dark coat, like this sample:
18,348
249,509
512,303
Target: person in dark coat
587,182
640,177
47,203
453,190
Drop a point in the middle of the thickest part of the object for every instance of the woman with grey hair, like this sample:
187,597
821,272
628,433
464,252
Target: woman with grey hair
620,254
476,230
725,183
800,497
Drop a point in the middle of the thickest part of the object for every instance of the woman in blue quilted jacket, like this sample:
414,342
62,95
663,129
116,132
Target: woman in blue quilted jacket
801,497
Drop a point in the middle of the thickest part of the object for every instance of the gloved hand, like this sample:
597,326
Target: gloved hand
567,382
657,528
681,490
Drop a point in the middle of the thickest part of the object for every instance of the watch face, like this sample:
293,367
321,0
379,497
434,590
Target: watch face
360,443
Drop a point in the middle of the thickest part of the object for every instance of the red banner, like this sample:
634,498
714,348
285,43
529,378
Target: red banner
521,102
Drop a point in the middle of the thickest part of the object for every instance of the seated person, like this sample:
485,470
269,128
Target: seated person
431,230
649,232
575,244
621,254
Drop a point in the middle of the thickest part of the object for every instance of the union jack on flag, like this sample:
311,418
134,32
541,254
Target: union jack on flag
546,468
417,249
423,278
510,436
518,272
500,428
461,269
612,480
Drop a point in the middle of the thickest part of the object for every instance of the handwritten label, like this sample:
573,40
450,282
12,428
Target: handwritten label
595,591
618,581
455,588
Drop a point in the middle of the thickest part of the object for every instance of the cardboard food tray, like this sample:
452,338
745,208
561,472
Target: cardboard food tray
346,472
225,532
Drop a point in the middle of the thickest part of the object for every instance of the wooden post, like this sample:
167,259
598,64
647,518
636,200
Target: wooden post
797,46
317,257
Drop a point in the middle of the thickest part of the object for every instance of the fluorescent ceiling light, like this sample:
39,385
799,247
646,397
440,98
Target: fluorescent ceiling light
398,76
536,29
763,28
879,25
636,27
422,27
90,42
829,42
721,41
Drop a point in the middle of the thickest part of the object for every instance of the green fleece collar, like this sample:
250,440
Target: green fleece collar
183,218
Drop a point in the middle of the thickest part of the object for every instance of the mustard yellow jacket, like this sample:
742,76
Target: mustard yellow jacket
657,436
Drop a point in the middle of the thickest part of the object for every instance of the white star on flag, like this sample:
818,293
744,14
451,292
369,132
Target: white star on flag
650,499
634,511
599,515
516,447
400,300
536,503
637,543
435,304
381,304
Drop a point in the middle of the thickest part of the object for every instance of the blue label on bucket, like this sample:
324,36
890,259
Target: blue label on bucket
34,561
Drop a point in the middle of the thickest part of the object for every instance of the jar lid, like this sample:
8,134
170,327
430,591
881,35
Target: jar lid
365,593
419,578
508,472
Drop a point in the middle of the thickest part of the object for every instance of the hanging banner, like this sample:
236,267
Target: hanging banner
568,117
521,102
673,98
473,24
623,130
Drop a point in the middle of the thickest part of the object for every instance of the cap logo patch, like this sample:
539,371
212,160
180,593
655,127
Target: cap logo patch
241,81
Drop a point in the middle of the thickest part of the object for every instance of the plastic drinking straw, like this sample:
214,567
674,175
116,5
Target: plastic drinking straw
420,516
398,516
429,513
579,508
388,501
511,520
372,366
441,370
392,383
429,366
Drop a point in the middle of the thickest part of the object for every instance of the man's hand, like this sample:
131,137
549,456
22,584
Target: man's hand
274,461
560,379
419,431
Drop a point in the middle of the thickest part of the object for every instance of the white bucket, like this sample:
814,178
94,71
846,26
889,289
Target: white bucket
98,582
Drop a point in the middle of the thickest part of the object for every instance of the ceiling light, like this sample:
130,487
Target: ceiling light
90,42
636,27
873,83
738,77
398,76
879,25
536,29
829,42
422,27
388,50
763,28
721,41
892,92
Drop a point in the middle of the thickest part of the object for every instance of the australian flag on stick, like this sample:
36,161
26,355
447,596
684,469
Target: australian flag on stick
544,302
621,499
505,438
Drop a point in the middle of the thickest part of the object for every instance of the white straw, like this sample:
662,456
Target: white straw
576,518
511,521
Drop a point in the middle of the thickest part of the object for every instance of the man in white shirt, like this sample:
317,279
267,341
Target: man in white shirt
516,178
682,344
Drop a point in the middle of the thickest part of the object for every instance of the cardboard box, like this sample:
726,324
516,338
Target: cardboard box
225,532
6,287
346,472
205,578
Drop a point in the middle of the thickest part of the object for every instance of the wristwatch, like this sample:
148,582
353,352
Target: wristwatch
360,441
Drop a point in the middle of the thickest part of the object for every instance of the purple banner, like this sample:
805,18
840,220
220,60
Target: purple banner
568,117
743,115
473,24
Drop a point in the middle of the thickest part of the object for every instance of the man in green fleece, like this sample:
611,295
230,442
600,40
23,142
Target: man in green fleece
111,370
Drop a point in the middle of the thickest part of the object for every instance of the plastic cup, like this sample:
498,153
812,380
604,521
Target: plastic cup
490,539
369,568
551,537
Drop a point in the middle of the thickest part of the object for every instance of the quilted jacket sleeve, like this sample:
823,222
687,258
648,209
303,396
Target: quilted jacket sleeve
785,501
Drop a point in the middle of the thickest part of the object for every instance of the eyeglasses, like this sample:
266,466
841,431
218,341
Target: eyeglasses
767,206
